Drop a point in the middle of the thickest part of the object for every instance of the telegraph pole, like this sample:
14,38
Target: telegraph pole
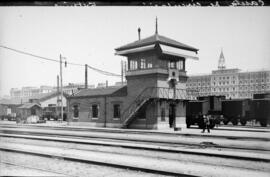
122,73
57,111
61,88
86,80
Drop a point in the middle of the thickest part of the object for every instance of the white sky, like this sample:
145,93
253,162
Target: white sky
90,35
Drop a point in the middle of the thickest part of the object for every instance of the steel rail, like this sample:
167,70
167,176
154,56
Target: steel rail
101,163
35,168
152,146
130,131
123,139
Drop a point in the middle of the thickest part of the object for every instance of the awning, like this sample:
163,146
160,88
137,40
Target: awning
134,50
178,52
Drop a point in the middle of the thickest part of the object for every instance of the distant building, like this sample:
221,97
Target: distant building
44,100
69,89
101,85
120,83
230,82
30,91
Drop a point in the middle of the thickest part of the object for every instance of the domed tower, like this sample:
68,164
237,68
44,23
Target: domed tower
156,80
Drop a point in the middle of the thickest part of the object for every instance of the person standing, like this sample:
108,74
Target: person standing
206,123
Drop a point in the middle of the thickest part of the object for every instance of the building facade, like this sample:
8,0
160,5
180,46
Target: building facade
30,91
155,90
69,89
232,83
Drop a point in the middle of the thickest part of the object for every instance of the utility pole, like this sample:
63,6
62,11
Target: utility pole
61,88
122,73
57,111
86,80
174,103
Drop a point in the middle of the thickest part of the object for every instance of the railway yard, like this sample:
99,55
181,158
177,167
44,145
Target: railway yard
51,150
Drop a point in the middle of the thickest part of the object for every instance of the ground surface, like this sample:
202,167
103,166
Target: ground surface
244,141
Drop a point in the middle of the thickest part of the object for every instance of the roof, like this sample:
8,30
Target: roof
28,105
156,38
112,91
46,96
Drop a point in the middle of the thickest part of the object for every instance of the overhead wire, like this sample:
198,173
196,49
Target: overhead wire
55,60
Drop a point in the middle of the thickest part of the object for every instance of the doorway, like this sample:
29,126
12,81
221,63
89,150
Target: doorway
171,115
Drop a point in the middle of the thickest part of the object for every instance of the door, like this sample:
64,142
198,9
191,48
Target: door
172,115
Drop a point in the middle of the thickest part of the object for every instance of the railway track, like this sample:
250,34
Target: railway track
97,162
174,141
125,148
128,131
128,159
31,170
193,149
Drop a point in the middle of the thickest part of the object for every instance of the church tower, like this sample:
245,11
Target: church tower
221,61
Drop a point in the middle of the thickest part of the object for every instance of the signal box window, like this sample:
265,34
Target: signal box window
180,65
75,111
116,111
143,64
133,65
149,64
95,111
172,64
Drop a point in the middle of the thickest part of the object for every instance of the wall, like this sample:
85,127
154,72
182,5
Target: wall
105,118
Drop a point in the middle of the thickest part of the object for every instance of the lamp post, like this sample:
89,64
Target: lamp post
61,85
174,82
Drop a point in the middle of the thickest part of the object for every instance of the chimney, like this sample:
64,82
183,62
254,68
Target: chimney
139,33
106,83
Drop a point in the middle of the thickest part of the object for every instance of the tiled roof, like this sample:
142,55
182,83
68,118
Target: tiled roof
28,105
156,39
115,90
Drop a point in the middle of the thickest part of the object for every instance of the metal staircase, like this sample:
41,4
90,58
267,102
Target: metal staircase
152,93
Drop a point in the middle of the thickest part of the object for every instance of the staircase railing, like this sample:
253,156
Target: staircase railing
145,95
149,93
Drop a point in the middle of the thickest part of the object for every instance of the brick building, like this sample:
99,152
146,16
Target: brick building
155,90
230,82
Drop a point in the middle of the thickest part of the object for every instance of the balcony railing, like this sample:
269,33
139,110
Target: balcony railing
152,70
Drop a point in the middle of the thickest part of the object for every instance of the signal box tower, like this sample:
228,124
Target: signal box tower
156,81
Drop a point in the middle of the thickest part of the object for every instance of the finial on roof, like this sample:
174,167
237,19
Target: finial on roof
156,25
139,33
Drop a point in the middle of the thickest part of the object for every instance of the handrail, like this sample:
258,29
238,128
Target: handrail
153,92
143,95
